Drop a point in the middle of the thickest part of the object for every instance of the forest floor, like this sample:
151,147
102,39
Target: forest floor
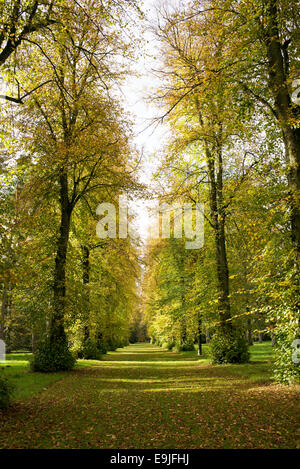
145,397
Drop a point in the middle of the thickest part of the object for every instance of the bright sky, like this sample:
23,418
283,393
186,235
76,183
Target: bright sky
148,140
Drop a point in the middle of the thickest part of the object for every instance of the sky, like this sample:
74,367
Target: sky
148,139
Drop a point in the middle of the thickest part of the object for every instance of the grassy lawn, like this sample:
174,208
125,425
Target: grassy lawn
145,397
28,384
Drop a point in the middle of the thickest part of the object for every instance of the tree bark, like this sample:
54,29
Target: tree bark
57,331
214,162
249,330
183,332
199,341
273,338
33,341
4,309
86,280
217,214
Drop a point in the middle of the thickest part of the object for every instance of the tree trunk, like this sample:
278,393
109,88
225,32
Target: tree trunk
85,265
183,332
273,338
4,309
199,341
181,269
217,214
214,164
33,341
223,278
86,281
249,330
260,337
57,331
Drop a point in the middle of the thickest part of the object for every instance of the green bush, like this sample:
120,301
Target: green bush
50,357
101,346
111,347
6,391
77,352
90,351
184,347
230,347
286,369
124,343
112,344
168,345
187,347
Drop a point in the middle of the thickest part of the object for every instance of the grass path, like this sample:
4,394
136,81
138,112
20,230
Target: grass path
144,397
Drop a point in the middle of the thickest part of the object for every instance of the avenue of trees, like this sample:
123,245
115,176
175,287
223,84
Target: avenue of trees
229,72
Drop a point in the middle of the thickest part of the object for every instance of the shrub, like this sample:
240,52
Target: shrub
6,391
110,347
123,343
77,351
168,345
286,368
187,346
119,344
112,344
230,347
101,346
90,351
50,357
